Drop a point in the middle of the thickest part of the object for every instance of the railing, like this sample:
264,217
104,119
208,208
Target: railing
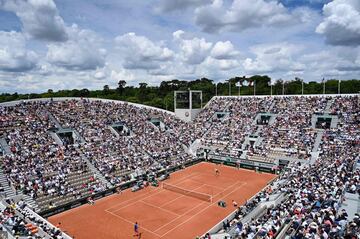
38,217
282,221
283,230
40,232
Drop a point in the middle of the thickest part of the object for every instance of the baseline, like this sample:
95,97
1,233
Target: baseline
198,206
132,223
187,220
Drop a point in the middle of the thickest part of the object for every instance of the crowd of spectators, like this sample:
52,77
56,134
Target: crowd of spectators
291,133
314,193
20,221
38,166
41,168
146,146
232,119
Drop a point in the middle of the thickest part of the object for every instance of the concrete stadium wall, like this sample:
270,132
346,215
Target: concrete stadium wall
13,103
281,96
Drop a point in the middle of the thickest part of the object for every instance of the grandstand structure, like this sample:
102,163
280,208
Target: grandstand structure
56,153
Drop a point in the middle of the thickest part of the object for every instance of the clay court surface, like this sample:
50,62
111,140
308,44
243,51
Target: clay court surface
162,213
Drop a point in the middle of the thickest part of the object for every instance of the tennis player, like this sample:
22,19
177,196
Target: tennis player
136,229
217,172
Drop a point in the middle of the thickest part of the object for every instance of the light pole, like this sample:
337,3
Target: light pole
323,86
302,87
270,84
283,87
339,87
254,87
229,87
216,90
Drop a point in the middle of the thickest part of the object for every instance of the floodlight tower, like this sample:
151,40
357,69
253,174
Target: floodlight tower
187,104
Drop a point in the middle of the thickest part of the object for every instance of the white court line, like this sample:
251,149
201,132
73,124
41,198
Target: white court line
200,204
132,223
163,209
154,232
149,194
221,176
209,185
160,190
202,210
194,208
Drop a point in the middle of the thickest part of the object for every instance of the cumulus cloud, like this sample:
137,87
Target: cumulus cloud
274,57
100,75
341,25
241,15
122,74
141,53
82,51
341,60
194,50
224,50
14,57
220,64
40,18
176,5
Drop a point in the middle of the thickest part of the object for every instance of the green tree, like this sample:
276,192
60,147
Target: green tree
121,86
142,85
106,89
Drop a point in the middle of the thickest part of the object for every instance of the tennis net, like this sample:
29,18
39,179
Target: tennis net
186,192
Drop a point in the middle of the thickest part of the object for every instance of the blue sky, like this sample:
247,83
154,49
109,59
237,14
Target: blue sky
46,44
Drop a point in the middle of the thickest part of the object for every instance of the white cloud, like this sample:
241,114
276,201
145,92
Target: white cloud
100,75
241,15
341,25
281,57
176,5
122,74
220,64
82,51
341,60
141,53
224,50
14,57
72,57
194,50
40,18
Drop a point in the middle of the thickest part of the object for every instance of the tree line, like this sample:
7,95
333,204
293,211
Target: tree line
162,96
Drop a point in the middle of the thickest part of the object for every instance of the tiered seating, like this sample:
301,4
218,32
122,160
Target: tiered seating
291,135
231,132
315,192
146,148
261,159
38,166
54,175
22,222
205,120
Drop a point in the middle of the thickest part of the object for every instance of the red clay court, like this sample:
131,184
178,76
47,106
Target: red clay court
162,213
